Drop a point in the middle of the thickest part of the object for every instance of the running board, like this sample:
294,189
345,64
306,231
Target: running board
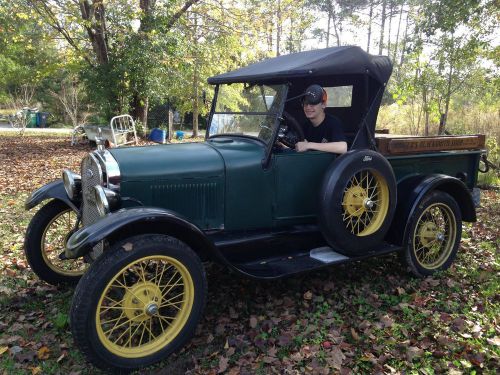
273,268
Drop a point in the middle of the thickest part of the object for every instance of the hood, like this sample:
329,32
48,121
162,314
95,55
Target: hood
179,161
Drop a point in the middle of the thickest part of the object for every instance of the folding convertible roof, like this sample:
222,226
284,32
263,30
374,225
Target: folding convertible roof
345,60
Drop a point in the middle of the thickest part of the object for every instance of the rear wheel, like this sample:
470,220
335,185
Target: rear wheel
138,303
46,238
434,235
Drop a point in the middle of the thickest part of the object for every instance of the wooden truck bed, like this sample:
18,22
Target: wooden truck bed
391,144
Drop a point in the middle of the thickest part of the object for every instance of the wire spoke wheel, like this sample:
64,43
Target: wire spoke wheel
144,306
434,236
54,240
46,236
365,203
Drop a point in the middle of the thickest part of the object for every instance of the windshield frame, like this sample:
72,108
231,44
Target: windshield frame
274,121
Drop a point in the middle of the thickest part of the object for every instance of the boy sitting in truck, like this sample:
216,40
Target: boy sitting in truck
322,131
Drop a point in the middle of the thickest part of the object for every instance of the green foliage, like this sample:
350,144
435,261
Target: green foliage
492,177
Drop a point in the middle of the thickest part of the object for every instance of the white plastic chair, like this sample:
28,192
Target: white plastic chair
121,126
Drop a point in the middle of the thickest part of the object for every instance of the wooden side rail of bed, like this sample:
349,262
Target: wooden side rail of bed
389,144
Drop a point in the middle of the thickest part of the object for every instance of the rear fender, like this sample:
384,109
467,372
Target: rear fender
140,220
53,190
411,191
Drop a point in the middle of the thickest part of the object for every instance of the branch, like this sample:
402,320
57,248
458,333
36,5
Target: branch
53,22
180,12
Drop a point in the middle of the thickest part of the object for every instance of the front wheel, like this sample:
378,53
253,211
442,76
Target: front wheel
138,303
46,238
435,229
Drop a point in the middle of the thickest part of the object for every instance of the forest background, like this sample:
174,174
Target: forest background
87,60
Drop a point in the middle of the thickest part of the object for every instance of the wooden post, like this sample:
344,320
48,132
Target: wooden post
170,123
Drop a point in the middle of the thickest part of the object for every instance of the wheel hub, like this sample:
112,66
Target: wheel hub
368,203
429,233
152,309
142,301
355,200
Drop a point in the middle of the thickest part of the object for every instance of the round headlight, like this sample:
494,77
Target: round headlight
72,183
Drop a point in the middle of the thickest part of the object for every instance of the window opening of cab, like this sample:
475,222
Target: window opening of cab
247,110
339,96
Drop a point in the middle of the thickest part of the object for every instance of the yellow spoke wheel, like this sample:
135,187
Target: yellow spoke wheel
357,201
435,228
434,236
45,240
54,240
365,203
140,301
144,306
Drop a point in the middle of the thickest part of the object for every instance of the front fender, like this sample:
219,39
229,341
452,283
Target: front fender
412,189
128,222
55,190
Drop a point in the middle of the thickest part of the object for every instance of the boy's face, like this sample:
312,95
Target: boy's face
313,111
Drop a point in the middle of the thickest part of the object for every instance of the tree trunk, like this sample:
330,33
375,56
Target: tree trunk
397,35
139,110
328,28
170,123
426,110
370,27
336,29
391,9
94,14
382,28
278,28
405,39
195,77
444,116
195,100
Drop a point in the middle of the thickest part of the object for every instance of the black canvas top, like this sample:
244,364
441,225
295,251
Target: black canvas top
316,63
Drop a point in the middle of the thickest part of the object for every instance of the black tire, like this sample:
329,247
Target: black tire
435,230
46,238
118,306
357,201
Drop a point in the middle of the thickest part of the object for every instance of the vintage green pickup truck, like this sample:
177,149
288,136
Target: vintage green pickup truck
134,227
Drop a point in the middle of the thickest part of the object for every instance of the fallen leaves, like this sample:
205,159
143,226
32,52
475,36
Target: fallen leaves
365,317
413,352
43,353
37,160
494,341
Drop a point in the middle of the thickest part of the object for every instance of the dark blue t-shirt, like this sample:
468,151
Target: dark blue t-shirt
330,130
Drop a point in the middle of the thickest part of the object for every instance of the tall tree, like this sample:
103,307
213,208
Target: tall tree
106,26
383,17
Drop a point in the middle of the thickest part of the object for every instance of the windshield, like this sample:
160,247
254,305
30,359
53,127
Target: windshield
247,110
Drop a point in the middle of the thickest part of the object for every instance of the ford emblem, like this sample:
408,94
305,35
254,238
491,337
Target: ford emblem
89,173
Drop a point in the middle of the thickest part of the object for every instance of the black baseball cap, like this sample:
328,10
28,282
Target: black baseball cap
314,94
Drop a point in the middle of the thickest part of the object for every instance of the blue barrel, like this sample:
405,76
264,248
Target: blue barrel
41,119
158,135
179,135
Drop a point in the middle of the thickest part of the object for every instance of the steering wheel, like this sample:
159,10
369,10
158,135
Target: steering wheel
290,131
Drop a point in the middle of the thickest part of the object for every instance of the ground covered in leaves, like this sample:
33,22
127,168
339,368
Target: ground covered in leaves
367,317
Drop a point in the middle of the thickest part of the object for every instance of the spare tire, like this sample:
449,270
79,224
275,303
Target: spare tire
357,201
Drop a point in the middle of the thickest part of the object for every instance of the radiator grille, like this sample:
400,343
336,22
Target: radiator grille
91,173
